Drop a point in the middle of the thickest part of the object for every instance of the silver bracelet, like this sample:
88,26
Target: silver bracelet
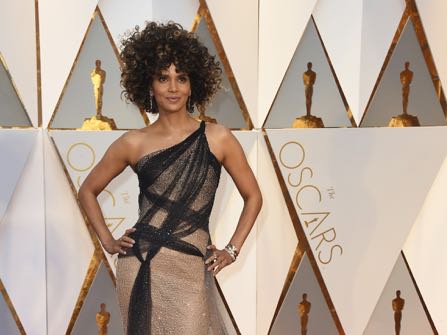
232,251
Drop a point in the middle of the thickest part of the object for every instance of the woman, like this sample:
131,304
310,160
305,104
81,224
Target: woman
167,262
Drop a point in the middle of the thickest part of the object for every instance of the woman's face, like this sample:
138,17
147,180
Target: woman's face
171,90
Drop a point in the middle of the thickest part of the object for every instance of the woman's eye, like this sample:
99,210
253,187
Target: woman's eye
183,79
162,78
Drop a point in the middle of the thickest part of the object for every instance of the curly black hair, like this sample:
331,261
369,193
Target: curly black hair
145,53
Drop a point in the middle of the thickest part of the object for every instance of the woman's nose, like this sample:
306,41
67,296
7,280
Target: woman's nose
172,86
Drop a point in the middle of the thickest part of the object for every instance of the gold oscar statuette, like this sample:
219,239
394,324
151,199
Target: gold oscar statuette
102,320
99,121
398,305
308,121
303,311
203,117
405,119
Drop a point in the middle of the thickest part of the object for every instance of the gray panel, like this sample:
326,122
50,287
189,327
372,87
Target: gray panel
290,101
319,318
414,321
7,324
12,112
224,107
78,101
387,101
101,291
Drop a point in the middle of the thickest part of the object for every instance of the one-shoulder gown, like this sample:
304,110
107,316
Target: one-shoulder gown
162,283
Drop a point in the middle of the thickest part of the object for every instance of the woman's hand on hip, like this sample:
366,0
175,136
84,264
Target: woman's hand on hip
218,260
120,245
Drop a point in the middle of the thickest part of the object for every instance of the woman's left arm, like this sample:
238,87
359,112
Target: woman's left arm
235,162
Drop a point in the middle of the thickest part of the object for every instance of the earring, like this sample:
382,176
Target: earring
150,102
190,105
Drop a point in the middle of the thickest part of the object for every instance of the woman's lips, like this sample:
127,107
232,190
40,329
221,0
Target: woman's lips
173,99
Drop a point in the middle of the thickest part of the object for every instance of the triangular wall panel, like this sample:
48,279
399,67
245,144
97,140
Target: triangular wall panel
342,42
7,322
426,250
280,29
434,25
102,291
224,107
422,101
413,318
18,47
77,101
12,111
290,319
58,54
22,242
290,100
14,158
276,240
69,245
241,34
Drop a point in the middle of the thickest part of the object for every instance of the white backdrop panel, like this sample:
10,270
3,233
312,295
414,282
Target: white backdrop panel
275,239
123,15
238,281
18,46
69,248
432,14
182,12
349,187
62,28
14,158
241,34
426,250
343,42
81,151
281,24
22,243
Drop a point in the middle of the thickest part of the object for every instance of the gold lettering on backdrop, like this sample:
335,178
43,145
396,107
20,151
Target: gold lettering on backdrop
300,160
114,223
292,156
305,187
88,153
78,146
311,173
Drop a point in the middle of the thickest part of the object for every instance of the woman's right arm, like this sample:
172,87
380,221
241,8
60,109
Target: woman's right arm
114,161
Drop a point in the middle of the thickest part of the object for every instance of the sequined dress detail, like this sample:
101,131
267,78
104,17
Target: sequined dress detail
162,283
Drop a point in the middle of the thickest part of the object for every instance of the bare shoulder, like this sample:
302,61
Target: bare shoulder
217,132
221,141
127,145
